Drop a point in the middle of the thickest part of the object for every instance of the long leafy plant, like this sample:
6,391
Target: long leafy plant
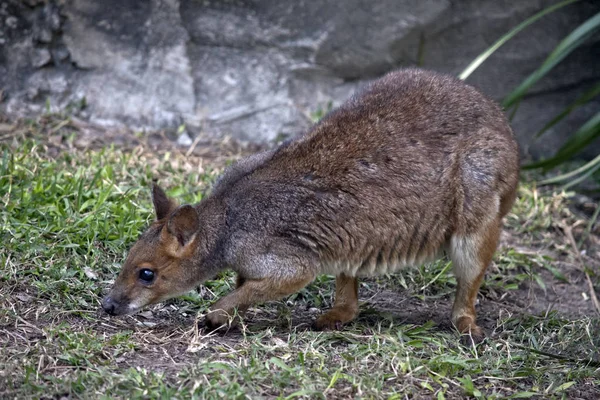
589,131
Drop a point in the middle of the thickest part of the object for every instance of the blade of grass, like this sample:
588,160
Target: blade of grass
564,48
583,136
569,234
443,271
582,100
590,225
590,362
578,141
571,174
582,177
484,56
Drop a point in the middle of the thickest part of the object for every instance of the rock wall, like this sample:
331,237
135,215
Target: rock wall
258,69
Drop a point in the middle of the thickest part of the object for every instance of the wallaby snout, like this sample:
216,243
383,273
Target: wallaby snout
111,306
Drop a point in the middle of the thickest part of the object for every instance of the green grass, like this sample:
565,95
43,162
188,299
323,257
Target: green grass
68,216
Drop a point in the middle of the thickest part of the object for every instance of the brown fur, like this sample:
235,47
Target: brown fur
416,165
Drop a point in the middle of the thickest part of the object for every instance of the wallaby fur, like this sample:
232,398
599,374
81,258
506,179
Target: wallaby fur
417,164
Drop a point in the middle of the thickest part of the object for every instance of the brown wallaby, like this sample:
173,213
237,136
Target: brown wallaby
417,164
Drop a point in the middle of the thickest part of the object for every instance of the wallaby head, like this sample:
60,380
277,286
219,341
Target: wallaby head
160,265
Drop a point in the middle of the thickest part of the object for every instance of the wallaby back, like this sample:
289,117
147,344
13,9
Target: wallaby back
417,164
386,179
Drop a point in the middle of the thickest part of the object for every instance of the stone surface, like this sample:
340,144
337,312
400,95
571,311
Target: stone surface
40,57
258,70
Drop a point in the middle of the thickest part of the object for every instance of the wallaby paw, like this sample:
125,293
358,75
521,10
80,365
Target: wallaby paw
333,320
470,333
327,325
218,320
475,338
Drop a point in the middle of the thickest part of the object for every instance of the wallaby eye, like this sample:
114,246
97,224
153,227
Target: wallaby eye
146,275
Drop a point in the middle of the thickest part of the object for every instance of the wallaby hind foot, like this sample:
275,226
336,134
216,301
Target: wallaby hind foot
471,254
345,307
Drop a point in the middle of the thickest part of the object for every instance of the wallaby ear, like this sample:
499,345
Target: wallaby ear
163,205
183,224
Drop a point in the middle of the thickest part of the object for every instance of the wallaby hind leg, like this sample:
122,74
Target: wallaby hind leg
345,306
249,292
471,254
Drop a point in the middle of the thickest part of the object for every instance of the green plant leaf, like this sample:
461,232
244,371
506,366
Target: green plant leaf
582,100
572,174
564,48
484,56
578,141
524,395
582,177
564,386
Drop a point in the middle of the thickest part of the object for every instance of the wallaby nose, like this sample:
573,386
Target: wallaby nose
109,305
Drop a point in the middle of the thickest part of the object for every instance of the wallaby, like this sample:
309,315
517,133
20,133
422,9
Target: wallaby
416,165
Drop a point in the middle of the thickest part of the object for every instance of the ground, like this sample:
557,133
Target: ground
71,204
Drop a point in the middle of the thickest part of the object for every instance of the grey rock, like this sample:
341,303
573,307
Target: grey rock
52,16
40,57
11,22
33,3
184,140
32,93
260,70
137,69
47,21
43,35
60,54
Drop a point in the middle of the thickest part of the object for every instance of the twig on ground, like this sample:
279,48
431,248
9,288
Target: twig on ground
568,232
192,147
590,362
